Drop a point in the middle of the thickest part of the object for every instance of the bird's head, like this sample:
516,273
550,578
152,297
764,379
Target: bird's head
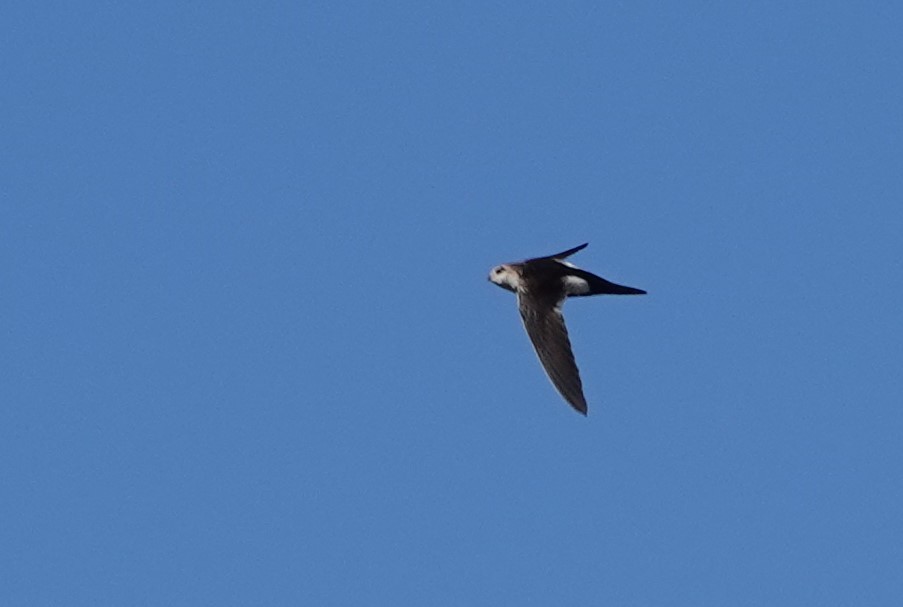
505,276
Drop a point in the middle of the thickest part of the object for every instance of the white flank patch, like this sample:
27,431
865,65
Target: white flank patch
574,285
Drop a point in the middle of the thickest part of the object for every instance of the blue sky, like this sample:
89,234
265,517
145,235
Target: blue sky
250,354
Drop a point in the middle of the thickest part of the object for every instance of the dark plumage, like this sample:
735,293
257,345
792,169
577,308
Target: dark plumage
542,284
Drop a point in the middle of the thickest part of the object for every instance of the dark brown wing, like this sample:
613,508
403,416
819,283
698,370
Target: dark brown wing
545,326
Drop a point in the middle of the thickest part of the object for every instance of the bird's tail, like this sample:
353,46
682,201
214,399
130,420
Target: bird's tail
565,254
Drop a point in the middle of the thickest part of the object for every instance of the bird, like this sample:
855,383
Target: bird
542,284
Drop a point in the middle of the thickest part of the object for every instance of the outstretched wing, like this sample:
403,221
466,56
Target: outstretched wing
545,326
580,282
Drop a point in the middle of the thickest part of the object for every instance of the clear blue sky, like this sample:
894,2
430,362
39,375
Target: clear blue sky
250,355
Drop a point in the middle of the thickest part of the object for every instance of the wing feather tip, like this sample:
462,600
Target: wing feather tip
579,406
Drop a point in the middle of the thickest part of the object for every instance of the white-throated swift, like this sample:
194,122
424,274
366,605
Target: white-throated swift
542,284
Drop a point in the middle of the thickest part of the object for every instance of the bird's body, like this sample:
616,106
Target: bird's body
542,284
